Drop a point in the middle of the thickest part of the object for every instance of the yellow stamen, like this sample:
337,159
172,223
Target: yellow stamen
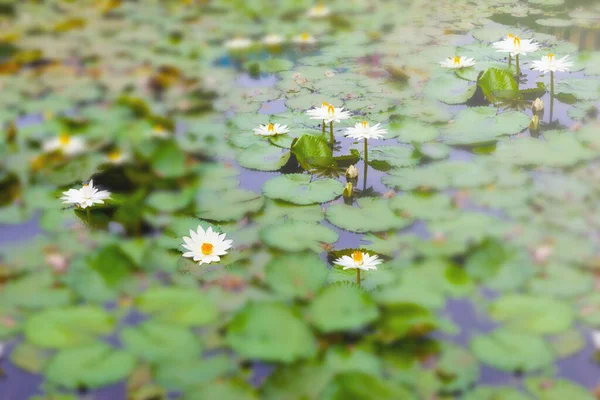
510,35
517,41
270,128
357,256
159,128
456,59
330,110
550,57
114,155
319,7
324,104
64,139
365,124
207,248
305,36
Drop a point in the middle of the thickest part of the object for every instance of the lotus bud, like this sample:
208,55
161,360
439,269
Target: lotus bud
538,105
534,124
352,172
348,189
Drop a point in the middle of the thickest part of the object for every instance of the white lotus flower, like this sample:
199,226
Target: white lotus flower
238,43
271,130
304,38
363,130
537,105
515,45
68,145
160,132
117,157
319,11
550,63
85,197
273,39
352,172
458,62
328,112
205,246
359,260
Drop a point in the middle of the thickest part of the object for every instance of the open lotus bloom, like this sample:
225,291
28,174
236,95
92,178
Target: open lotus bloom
549,63
319,11
85,197
273,39
304,38
329,113
205,247
66,144
363,130
359,260
515,45
271,130
239,43
457,62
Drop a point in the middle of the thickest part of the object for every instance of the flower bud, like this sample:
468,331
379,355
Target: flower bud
538,105
348,189
352,172
534,124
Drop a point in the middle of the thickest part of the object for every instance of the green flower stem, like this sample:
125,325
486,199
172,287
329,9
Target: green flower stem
331,132
323,127
509,60
518,67
551,94
358,276
366,159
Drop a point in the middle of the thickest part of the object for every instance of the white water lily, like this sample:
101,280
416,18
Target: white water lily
271,130
359,260
85,197
549,63
160,132
68,145
458,62
318,11
304,38
328,113
537,105
117,157
363,130
352,172
238,43
205,247
273,39
514,45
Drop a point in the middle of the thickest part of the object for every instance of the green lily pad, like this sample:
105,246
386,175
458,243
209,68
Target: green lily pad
228,205
270,332
296,274
180,306
496,392
449,89
225,390
297,236
409,130
385,157
301,189
457,369
263,157
371,215
361,386
188,375
556,389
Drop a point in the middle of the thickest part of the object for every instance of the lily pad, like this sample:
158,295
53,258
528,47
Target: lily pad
298,236
296,274
301,189
371,215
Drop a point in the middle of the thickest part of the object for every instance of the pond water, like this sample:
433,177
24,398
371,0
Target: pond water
486,226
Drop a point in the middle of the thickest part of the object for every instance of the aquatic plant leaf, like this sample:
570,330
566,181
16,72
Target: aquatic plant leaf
342,308
296,274
263,157
270,332
482,392
512,351
298,236
228,205
65,327
555,389
313,151
296,381
302,189
189,374
90,366
409,130
161,342
498,85
581,89
371,215
457,369
29,357
359,385
168,161
386,157
276,210
232,389
560,280
180,306
448,88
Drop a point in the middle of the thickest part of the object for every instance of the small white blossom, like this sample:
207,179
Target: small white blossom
85,197
205,247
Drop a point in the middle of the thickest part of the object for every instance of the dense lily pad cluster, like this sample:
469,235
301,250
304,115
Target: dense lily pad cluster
192,114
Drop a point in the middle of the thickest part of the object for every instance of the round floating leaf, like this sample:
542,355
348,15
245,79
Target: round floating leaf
457,369
512,351
298,236
359,385
483,124
277,210
30,358
582,89
554,22
409,130
498,84
276,65
158,341
187,375
168,161
300,380
496,393
68,327
296,275
180,306
301,189
385,157
341,308
534,314
556,389
228,205
263,157
589,309
429,206
270,332
449,89
371,215
313,152
568,343
224,390
561,281
92,366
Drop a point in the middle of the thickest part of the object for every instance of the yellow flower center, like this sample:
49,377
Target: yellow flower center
270,128
320,7
64,139
456,60
324,104
305,36
365,124
550,57
207,248
510,35
330,110
114,155
357,256
517,42
159,128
